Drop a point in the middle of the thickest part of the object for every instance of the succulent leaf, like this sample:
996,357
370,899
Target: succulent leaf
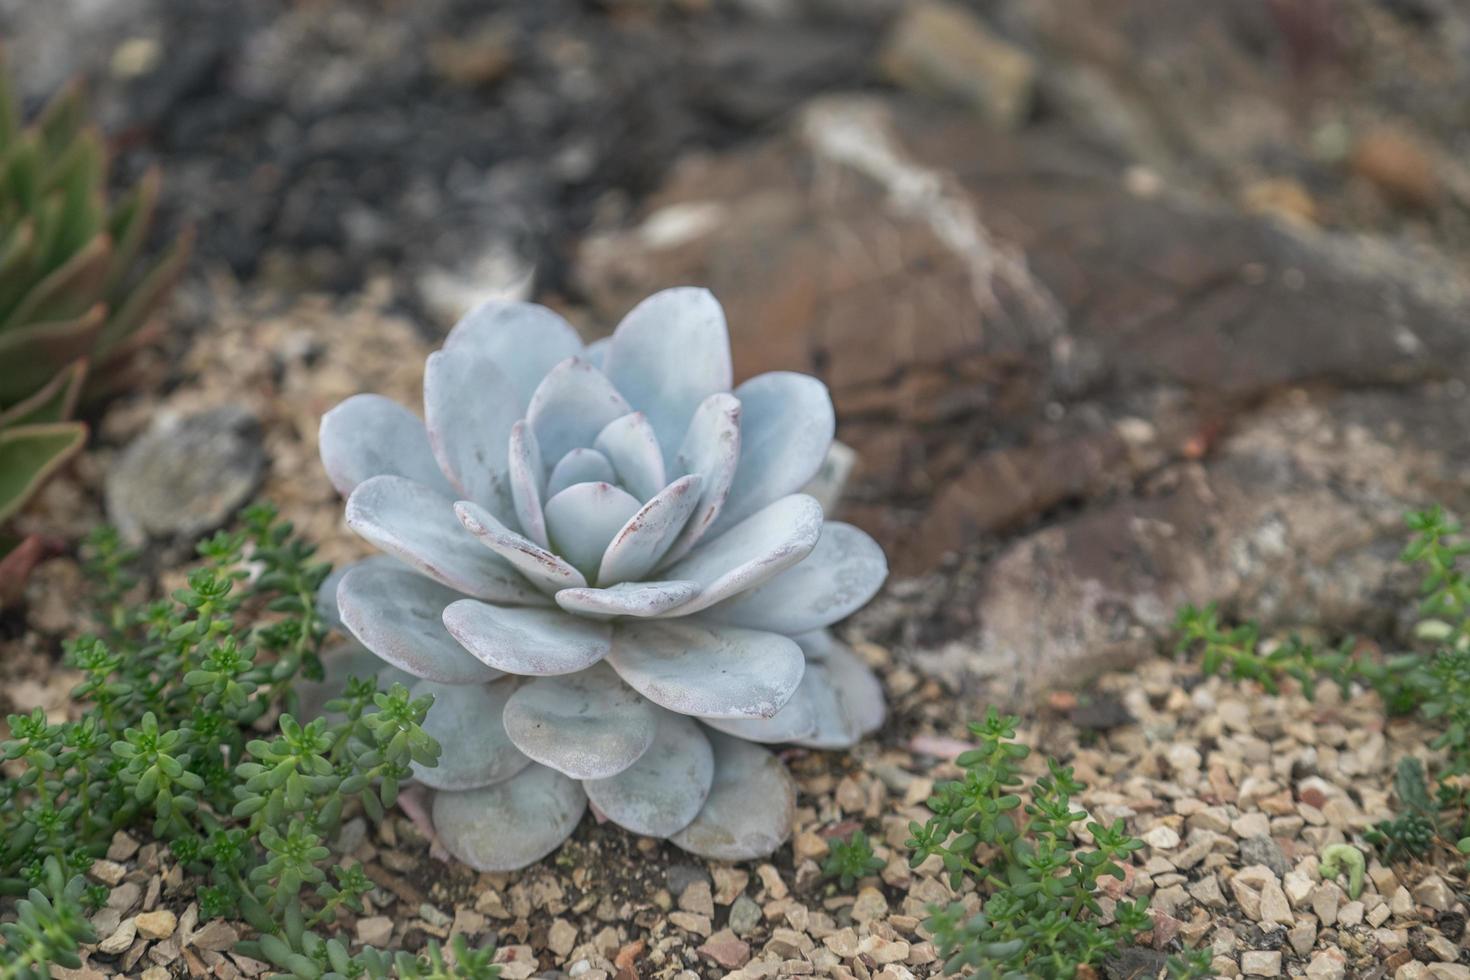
31,453
729,827
842,573
663,791
711,448
469,408
31,355
757,549
641,599
466,723
571,406
418,526
127,226
63,294
511,824
631,447
369,435
583,519
707,670
588,725
846,699
55,402
671,352
581,465
528,481
646,537
527,642
396,614
144,299
795,721
546,571
786,424
524,340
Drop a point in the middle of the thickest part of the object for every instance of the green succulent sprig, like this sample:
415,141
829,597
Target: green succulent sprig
1041,916
174,698
850,860
50,927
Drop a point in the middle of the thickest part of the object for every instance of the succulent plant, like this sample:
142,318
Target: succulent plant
599,561
74,291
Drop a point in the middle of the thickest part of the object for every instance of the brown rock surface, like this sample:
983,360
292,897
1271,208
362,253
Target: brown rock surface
1216,405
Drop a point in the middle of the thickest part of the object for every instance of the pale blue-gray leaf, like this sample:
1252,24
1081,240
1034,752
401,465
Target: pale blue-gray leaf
786,425
522,339
630,445
512,824
847,700
527,641
671,352
540,567
710,448
752,552
795,720
396,614
640,599
474,750
369,435
326,593
418,526
583,519
707,670
469,409
750,808
589,725
527,482
595,353
571,406
646,537
842,573
581,465
664,790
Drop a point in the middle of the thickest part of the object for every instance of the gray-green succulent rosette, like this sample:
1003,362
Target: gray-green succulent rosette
599,562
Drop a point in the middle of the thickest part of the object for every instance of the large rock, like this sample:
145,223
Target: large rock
186,476
1296,519
1170,401
1006,326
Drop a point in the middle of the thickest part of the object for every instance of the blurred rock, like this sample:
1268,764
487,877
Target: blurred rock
1297,520
1398,165
941,50
1166,401
483,58
1005,326
186,476
1284,197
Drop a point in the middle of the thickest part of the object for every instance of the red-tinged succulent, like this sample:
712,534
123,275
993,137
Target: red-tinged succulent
75,291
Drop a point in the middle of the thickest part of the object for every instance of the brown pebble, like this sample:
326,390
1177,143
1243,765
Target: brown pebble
1398,166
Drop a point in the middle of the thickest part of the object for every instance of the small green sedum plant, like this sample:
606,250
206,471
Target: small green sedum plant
49,928
174,737
1041,917
850,860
